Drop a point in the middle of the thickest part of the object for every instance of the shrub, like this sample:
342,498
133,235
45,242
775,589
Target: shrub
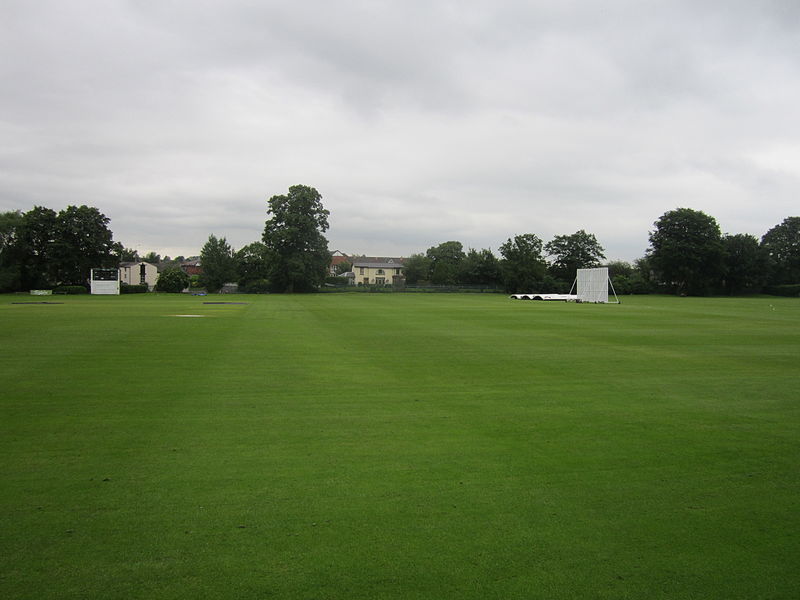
257,286
70,289
126,288
172,280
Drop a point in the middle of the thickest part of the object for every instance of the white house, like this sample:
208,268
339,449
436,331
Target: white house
138,273
377,270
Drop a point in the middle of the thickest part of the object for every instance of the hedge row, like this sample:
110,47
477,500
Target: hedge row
792,290
70,290
133,289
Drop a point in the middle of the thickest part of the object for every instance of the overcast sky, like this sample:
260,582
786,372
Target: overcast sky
419,122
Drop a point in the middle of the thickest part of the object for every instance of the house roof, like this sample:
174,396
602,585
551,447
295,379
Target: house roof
134,263
377,262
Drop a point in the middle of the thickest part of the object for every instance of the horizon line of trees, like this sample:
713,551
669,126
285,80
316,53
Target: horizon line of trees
688,255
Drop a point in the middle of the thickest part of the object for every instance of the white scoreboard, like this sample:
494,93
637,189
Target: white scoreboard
105,281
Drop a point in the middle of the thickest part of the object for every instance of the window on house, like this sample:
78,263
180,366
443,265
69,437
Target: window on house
380,272
360,270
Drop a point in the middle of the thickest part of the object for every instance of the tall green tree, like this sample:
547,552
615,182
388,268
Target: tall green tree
252,264
416,268
42,248
579,250
218,262
10,223
36,248
523,266
619,268
745,264
152,257
686,251
128,255
83,241
627,278
293,235
782,244
480,267
445,262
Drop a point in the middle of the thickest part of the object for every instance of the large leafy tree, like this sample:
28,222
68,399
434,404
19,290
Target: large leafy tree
445,262
219,264
745,264
83,241
629,279
686,251
36,248
580,250
152,257
416,268
523,266
293,236
782,244
10,223
44,248
128,255
252,264
480,267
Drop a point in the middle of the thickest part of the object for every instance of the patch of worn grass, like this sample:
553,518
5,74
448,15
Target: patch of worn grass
399,446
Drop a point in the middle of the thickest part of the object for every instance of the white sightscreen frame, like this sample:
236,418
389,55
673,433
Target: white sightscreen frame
593,285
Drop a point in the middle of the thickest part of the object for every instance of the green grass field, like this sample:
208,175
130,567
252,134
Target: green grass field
399,446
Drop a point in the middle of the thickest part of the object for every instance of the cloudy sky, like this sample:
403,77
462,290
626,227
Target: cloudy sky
419,121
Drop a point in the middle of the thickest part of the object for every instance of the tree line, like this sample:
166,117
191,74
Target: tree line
42,249
688,255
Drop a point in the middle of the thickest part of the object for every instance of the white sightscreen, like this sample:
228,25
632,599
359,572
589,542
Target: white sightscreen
593,285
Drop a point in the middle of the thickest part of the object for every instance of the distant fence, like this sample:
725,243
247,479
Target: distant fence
415,289
464,288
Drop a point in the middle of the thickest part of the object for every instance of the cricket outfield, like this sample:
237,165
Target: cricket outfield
399,446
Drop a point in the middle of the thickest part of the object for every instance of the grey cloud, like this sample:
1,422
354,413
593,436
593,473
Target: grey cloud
417,121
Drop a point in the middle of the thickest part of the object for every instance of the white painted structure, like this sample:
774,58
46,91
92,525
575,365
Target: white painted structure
139,273
105,281
592,285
